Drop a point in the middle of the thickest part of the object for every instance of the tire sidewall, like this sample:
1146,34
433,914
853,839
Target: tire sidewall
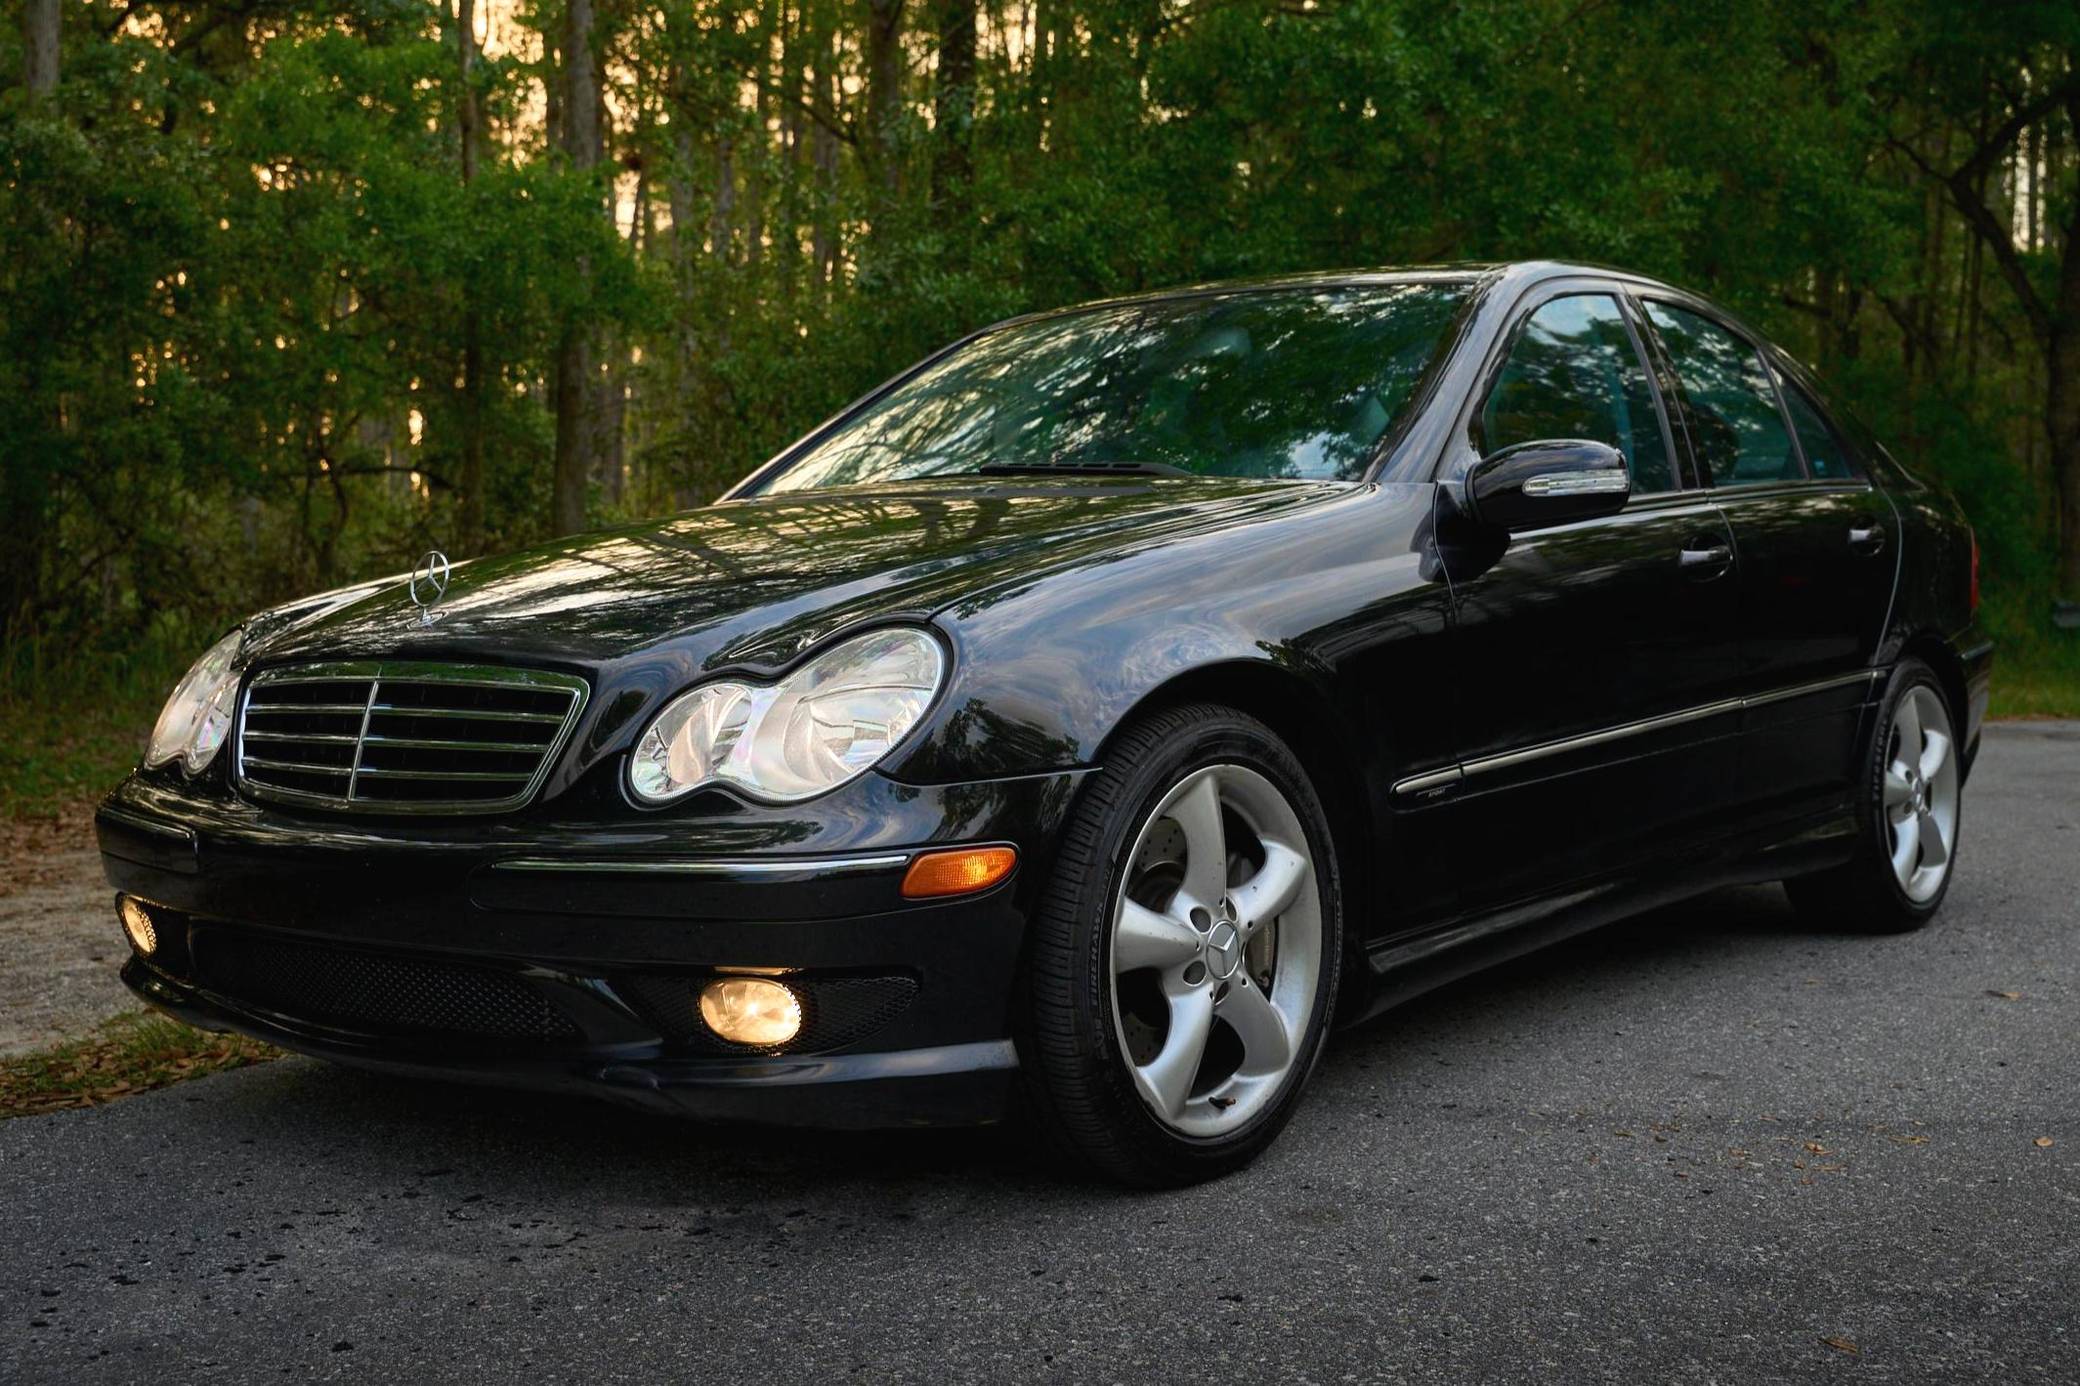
1877,835
1223,738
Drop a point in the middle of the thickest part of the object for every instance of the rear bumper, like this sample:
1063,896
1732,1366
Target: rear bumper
1976,658
561,959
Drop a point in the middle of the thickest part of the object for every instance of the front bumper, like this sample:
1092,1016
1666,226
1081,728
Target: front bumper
563,956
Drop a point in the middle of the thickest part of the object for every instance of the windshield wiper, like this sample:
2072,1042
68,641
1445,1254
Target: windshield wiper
1080,469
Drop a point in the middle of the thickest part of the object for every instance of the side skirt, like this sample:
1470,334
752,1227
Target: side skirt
1404,969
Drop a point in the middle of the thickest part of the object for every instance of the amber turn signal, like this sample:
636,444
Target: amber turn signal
960,871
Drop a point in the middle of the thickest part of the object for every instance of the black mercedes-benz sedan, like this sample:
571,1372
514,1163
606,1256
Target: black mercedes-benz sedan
1087,721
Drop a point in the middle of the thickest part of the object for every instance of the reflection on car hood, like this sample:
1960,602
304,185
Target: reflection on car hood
765,578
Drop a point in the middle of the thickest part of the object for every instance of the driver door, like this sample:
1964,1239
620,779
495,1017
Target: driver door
1595,660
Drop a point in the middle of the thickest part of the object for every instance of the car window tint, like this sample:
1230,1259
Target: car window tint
1273,383
1827,457
1573,373
1735,424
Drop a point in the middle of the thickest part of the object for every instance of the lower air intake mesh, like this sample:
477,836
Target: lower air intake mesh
374,992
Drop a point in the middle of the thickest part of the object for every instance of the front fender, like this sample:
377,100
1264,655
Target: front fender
1338,599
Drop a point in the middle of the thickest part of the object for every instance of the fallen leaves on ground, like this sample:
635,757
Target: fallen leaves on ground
2045,1142
37,851
130,1054
1842,1345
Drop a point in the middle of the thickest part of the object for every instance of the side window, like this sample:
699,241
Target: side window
1573,373
1736,427
1827,458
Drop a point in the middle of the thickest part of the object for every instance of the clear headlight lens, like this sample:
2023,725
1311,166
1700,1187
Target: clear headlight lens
823,724
196,719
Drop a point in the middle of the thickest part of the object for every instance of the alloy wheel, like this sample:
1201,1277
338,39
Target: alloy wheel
1216,950
1920,793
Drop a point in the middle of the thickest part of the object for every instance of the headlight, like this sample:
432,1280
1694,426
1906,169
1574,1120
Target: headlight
823,724
196,718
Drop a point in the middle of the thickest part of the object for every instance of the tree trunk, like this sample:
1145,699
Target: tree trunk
825,149
469,123
953,115
760,153
2062,398
721,219
577,393
40,47
884,93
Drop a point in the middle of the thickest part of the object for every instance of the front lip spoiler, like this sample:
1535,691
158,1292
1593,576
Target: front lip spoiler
964,1084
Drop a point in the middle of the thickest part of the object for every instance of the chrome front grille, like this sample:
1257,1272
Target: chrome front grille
403,738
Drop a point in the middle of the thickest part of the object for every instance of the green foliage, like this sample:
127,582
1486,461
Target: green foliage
241,272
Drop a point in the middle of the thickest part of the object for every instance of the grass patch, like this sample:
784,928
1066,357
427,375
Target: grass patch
2031,692
77,720
133,1053
55,756
2036,666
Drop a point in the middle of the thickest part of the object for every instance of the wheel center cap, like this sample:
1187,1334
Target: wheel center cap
1223,950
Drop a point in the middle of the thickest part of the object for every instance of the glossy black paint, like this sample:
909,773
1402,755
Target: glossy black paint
1501,494
1520,731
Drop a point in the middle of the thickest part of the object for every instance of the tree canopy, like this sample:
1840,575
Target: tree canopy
291,290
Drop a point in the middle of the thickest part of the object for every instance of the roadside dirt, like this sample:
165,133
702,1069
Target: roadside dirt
60,945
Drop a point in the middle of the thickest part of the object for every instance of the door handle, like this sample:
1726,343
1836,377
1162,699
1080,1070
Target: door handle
1705,560
1866,536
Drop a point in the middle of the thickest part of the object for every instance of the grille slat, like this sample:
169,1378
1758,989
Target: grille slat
420,743
298,767
383,709
461,776
404,738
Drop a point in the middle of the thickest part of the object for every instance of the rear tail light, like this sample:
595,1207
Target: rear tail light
1975,568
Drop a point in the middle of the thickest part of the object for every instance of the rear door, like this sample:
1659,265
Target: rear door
1818,554
1593,660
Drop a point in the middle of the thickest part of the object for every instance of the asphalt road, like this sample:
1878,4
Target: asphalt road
1709,1147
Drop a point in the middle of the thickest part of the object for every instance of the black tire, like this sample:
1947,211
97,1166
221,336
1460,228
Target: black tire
1078,1087
1864,894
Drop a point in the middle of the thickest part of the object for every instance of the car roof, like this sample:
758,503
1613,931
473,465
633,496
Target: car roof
1495,274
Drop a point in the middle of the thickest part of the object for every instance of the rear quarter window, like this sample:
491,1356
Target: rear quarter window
1828,456
1735,425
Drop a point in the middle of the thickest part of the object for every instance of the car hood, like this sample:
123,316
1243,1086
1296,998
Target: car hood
756,582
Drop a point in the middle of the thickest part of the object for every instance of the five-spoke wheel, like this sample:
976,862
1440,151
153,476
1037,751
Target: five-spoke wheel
1903,858
1186,954
1216,949
1921,792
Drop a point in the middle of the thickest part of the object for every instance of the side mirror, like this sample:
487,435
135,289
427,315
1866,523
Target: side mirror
1549,482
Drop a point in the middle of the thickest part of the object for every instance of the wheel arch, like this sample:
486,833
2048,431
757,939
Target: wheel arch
1308,721
1936,652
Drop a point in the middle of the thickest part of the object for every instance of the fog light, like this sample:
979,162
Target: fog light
137,922
962,871
751,1010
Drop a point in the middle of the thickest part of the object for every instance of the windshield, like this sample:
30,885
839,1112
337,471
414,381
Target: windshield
1270,383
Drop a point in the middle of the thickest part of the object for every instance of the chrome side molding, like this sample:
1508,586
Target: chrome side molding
708,866
1434,779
